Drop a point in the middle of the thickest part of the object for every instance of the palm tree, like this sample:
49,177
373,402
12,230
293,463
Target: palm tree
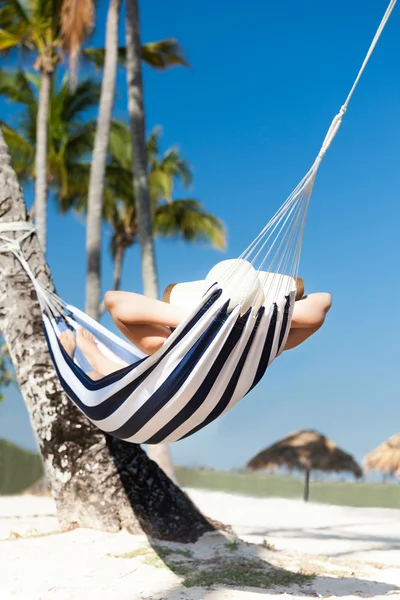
183,218
140,180
139,153
160,55
34,25
70,136
99,159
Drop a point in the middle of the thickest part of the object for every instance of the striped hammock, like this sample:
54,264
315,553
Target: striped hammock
236,328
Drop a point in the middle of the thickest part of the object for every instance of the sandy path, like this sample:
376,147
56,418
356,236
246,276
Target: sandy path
365,534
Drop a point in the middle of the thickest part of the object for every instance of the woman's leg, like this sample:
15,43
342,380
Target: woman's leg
308,316
144,321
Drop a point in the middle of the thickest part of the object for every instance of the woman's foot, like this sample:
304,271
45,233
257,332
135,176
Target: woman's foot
67,341
100,364
87,343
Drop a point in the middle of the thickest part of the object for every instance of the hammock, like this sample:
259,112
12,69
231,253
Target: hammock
238,326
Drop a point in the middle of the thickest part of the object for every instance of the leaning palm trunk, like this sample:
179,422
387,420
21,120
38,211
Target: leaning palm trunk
118,262
97,481
41,158
139,152
140,180
161,455
98,168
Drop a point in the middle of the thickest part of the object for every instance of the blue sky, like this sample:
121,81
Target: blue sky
266,79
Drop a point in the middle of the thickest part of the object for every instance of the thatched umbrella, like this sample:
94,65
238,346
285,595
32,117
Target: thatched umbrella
386,457
306,450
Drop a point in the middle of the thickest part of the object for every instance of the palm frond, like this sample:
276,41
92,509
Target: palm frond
16,86
153,143
46,19
13,37
72,194
186,219
84,96
77,17
160,184
120,144
159,55
164,54
96,56
22,153
80,139
13,12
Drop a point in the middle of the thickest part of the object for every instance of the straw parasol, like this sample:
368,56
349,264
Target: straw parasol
306,450
386,457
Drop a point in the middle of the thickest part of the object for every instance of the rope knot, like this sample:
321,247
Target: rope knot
10,246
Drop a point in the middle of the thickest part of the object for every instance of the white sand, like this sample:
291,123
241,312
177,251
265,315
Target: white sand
352,551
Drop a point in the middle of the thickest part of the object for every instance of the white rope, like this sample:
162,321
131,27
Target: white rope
13,245
286,217
337,121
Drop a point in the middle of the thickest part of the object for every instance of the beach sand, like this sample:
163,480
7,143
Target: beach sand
285,549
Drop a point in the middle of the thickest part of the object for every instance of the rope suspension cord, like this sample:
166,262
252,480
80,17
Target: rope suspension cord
277,247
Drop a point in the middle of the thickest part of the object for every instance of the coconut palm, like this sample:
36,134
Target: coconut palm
306,450
183,218
47,29
140,179
160,55
139,152
34,26
99,159
70,135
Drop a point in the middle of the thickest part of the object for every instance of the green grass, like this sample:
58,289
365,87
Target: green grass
244,572
144,551
266,544
225,569
385,495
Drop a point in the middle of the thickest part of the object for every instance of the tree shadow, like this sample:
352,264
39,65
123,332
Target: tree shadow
327,532
218,562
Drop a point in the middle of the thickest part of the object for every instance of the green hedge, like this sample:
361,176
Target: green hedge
345,493
19,468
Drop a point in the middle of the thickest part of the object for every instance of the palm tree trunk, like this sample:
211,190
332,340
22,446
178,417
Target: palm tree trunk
41,158
161,454
140,179
307,486
119,259
98,168
139,153
97,481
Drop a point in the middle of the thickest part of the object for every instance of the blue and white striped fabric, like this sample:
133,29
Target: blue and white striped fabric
213,359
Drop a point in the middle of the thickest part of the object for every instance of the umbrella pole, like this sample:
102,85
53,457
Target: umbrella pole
307,486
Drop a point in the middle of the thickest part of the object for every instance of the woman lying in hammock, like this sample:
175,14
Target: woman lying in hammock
147,323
